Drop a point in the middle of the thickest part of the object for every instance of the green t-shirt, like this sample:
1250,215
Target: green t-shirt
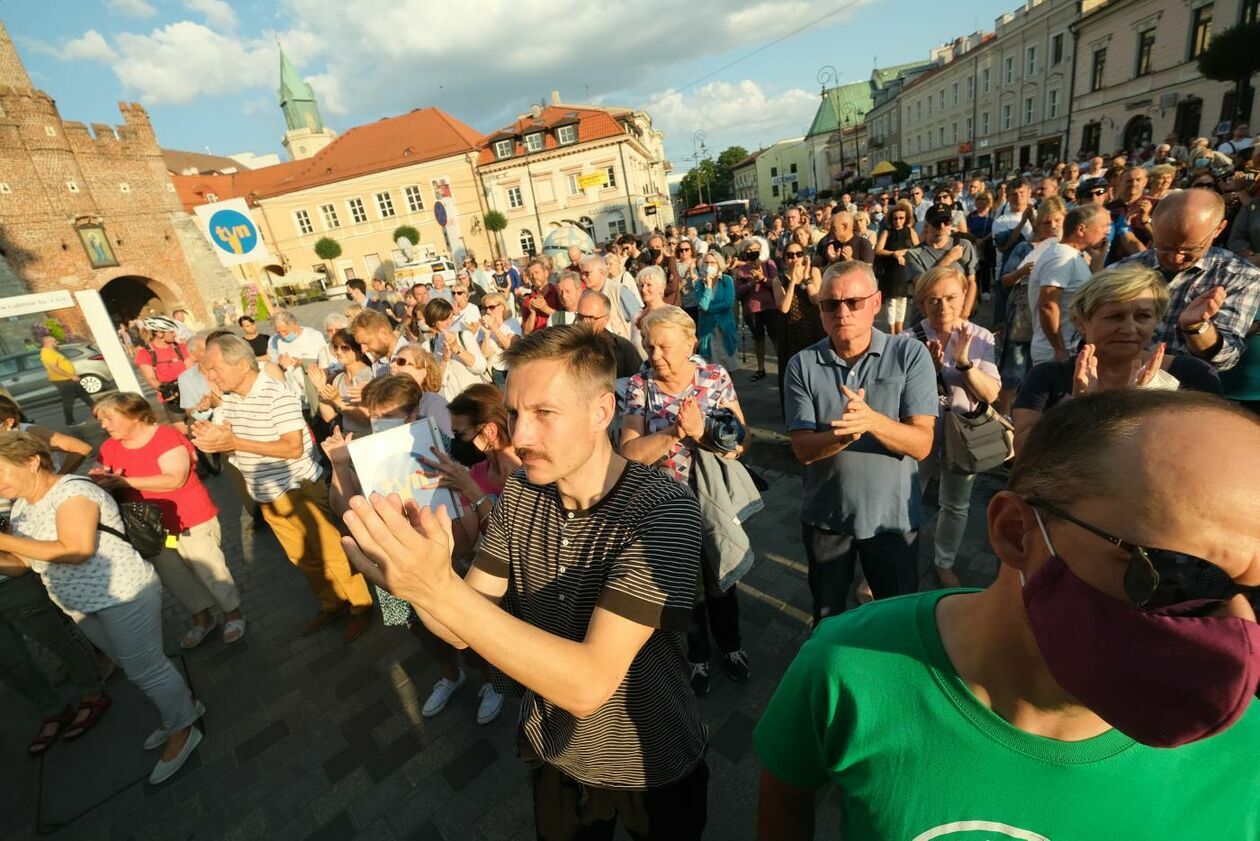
873,703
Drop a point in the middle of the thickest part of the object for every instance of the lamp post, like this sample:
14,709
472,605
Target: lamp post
826,74
697,150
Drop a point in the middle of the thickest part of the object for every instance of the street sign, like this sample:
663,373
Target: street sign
588,180
228,227
788,178
39,302
650,210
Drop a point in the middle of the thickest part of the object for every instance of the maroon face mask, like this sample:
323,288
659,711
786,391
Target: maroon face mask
1162,678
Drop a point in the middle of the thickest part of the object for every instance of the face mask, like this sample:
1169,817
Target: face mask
292,337
382,424
1163,679
466,452
1201,163
654,254
707,270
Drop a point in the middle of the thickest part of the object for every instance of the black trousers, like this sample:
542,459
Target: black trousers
719,614
890,561
568,810
70,391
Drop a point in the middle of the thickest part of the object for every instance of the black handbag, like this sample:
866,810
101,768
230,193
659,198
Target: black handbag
142,526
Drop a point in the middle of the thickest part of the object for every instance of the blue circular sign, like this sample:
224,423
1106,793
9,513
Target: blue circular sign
233,231
439,214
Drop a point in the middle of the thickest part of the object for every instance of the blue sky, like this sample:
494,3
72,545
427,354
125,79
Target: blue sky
207,70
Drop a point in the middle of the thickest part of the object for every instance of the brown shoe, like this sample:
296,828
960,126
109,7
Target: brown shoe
356,626
323,618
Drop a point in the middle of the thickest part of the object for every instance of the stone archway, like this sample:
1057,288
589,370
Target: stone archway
1138,133
128,296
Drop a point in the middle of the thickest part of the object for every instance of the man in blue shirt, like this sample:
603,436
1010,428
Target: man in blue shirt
861,411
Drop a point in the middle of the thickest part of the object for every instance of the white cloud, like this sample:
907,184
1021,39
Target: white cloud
733,113
218,14
88,47
134,8
329,94
181,62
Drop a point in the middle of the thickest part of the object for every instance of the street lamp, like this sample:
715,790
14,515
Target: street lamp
829,76
697,149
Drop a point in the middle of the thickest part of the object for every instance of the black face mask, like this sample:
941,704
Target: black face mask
466,452
654,254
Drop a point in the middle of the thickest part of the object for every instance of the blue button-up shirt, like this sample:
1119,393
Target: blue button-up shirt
1217,267
866,488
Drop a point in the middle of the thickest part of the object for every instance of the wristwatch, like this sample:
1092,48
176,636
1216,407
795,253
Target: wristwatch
966,367
1199,330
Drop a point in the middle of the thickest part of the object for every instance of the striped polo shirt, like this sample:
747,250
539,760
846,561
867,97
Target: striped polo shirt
635,553
266,413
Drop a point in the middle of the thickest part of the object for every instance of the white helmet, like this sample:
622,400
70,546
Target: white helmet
159,324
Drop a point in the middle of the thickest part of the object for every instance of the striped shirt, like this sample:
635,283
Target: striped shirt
266,413
636,553
1217,267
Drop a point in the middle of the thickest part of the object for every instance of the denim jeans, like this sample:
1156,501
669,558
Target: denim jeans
889,559
954,496
25,609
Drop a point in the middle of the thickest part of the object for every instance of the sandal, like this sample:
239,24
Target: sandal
233,630
95,709
195,636
42,740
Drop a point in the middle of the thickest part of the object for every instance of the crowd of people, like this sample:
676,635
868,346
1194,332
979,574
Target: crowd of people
592,433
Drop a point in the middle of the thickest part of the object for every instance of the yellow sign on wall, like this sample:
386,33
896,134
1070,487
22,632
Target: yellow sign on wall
588,180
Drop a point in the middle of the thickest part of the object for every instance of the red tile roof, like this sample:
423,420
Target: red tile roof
425,134
194,189
592,124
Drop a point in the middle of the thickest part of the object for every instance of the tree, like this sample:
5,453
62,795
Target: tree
495,223
696,184
1233,56
902,170
724,187
412,235
328,249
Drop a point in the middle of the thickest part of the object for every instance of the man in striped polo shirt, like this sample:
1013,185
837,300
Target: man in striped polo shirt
602,557
270,444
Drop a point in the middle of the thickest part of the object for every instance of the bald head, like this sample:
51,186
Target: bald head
1184,225
842,225
1197,207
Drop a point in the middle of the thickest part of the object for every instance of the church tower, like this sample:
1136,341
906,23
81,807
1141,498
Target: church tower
305,131
12,73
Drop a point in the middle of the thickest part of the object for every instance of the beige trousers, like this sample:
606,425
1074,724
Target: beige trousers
196,572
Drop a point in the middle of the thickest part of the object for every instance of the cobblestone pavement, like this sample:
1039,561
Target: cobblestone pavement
313,739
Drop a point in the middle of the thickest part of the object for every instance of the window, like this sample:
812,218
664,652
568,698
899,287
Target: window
954,93
1008,69
971,87
984,80
1146,45
1030,61
1006,116
124,187
970,126
616,227
1250,11
574,188
385,204
918,110
929,106
984,124
1096,71
612,177
514,198
348,271
415,199
211,198
942,99
954,129
330,216
1091,138
534,142
5,188
940,137
566,135
72,186
1056,49
503,149
1028,110
774,172
528,248
358,213
792,169
302,221
1200,30
1052,104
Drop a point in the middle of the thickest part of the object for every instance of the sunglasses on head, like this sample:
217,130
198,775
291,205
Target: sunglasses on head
1160,578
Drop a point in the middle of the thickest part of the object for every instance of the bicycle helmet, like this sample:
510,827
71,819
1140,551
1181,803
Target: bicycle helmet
160,324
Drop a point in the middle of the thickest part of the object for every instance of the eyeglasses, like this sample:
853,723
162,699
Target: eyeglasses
830,305
342,349
461,292
1097,191
584,317
1160,578
1192,251
684,250
400,361
792,255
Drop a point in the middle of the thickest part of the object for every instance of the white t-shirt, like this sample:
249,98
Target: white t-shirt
1067,268
495,359
266,413
116,574
467,318
1007,222
308,344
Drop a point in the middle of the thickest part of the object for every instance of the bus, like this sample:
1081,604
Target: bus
711,214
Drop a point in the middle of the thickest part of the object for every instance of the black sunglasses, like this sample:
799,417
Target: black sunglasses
1160,578
793,254
830,305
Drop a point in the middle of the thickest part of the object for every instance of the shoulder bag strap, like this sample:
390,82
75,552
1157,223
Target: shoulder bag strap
100,526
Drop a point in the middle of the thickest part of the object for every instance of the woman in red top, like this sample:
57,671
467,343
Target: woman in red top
162,362
144,461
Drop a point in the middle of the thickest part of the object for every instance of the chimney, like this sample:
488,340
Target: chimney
555,97
535,111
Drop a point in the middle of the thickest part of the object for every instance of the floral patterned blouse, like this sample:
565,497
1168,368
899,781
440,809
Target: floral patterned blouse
712,388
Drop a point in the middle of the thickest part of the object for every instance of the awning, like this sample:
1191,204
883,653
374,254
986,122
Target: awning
884,168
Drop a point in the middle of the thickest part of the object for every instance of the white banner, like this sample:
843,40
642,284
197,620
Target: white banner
231,232
39,302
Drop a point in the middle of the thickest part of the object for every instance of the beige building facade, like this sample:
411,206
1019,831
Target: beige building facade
1137,79
600,169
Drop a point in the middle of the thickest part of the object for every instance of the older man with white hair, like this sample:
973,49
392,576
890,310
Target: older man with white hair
861,411
625,303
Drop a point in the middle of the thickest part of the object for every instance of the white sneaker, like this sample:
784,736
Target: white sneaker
491,704
442,692
163,771
158,737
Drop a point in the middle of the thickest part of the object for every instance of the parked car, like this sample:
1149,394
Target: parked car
23,375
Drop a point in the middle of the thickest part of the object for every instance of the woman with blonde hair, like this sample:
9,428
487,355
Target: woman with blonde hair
417,363
1117,312
70,532
496,333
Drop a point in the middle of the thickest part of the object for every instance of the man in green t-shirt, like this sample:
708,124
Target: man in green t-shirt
1099,689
